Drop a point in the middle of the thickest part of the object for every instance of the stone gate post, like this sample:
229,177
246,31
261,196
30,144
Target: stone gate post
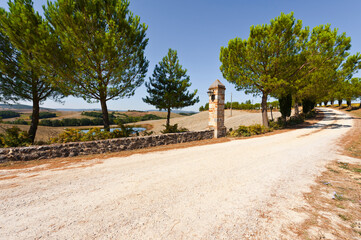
216,93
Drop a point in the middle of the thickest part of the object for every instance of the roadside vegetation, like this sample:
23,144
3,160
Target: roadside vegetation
77,135
298,65
333,205
281,123
244,106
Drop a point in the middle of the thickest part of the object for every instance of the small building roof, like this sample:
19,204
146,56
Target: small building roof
217,84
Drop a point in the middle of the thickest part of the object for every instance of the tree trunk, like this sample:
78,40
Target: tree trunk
168,118
339,102
105,115
325,103
332,102
297,111
264,110
34,120
348,102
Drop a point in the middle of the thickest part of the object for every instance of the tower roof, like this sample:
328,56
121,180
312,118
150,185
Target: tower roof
217,84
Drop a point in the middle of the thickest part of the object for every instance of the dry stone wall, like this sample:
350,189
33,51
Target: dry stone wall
102,146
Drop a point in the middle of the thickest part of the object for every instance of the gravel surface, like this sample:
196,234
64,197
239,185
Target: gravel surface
242,189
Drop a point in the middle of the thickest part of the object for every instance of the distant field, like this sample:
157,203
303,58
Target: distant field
43,133
46,133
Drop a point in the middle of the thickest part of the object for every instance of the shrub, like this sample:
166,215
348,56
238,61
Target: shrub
9,114
77,135
146,133
275,125
173,129
246,131
14,137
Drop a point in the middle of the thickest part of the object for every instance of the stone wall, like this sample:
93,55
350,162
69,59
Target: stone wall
101,146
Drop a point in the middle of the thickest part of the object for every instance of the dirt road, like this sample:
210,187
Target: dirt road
242,189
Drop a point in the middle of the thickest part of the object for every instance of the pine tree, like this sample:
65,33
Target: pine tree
22,37
167,88
101,46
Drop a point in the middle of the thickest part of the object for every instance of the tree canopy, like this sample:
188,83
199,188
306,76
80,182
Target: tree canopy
100,54
168,88
284,60
23,77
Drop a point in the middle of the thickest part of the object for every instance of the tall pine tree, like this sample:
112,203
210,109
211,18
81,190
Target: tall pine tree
168,88
101,46
23,34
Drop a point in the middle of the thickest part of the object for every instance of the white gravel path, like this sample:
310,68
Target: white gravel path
243,189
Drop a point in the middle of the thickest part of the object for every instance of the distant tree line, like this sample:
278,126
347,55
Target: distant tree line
8,114
97,120
243,106
43,115
70,122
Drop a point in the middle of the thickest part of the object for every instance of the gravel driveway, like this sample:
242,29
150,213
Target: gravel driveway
242,189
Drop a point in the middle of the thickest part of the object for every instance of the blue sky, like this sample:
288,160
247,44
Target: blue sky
198,28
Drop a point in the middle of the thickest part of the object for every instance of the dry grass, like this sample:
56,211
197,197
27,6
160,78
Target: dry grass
43,133
334,202
333,205
352,141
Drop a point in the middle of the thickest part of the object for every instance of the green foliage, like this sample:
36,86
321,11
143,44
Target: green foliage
93,114
247,131
283,58
168,88
205,108
9,114
69,122
17,121
186,113
130,119
285,105
173,129
100,54
23,38
242,106
308,105
147,133
14,137
260,64
43,115
76,135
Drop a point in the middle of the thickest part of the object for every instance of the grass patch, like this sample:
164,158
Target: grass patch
333,209
343,217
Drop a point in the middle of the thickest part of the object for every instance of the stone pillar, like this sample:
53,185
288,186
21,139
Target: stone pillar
216,109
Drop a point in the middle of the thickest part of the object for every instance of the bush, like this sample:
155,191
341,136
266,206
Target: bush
310,114
14,137
173,129
77,135
246,131
9,114
275,125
